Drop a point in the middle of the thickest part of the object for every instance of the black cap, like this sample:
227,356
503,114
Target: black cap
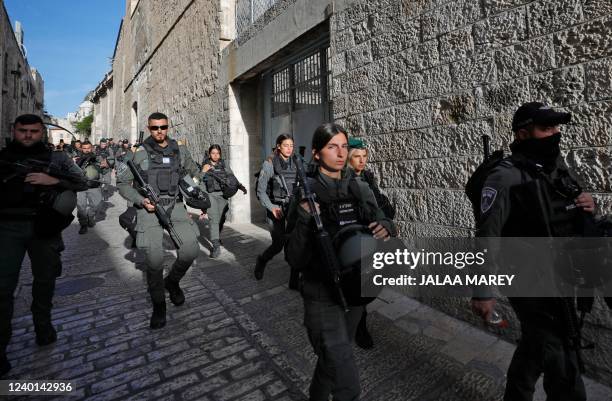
125,141
103,140
539,114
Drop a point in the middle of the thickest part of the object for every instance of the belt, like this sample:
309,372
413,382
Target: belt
170,201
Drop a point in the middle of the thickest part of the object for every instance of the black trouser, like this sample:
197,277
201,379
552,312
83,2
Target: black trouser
279,237
278,231
331,331
17,238
543,349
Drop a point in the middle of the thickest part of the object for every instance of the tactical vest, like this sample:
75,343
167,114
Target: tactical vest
284,179
103,154
341,207
163,172
16,194
88,163
543,205
212,183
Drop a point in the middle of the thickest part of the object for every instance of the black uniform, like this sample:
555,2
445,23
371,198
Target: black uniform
509,208
25,211
330,330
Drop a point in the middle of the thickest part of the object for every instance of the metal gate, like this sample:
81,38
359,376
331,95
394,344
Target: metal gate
297,97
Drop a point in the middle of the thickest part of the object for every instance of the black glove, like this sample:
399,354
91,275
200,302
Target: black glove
243,189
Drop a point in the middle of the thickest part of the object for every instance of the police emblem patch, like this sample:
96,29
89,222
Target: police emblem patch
487,198
121,168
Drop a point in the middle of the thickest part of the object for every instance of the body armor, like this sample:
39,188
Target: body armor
15,192
213,184
285,177
543,205
163,172
346,219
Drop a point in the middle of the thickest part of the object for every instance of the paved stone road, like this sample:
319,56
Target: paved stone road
234,338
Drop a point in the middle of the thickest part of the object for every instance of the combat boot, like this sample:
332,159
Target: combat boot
83,230
216,251
177,297
158,318
260,266
45,334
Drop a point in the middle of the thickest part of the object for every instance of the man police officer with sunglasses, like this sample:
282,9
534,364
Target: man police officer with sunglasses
162,163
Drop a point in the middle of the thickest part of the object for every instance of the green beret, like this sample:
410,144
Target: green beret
356,143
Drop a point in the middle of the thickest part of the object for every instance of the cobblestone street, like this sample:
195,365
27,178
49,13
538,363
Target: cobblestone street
234,338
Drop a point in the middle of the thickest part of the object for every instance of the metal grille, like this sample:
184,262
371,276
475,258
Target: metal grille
305,83
308,82
249,11
281,93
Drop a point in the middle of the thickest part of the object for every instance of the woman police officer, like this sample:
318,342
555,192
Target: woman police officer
357,161
217,176
330,328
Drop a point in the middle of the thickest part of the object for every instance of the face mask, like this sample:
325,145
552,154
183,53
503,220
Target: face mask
544,151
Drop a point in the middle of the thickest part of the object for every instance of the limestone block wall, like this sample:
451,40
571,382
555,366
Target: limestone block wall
21,89
422,80
167,60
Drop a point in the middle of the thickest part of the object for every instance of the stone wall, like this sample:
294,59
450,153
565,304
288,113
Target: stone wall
21,88
422,80
167,60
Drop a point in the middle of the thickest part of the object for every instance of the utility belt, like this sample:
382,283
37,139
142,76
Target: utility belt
165,202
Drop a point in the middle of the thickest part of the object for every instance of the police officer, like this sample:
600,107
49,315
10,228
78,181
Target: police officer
275,185
331,330
124,153
89,201
162,162
34,208
107,156
357,161
127,219
75,150
544,347
217,175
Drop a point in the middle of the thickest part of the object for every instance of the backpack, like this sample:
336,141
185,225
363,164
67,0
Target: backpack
473,188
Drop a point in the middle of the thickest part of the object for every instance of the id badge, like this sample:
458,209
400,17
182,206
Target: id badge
166,160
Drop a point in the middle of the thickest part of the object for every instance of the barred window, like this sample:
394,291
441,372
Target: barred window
308,82
304,83
281,93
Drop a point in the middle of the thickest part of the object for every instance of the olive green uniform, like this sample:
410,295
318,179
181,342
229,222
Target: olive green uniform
149,232
106,172
218,204
89,201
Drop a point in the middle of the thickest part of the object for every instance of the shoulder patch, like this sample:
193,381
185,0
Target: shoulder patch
487,199
121,168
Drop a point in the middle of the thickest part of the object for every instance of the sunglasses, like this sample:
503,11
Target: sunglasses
158,127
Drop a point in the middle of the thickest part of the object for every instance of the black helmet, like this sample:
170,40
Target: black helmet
355,243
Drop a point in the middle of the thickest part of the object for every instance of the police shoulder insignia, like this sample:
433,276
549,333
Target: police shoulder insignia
121,168
487,198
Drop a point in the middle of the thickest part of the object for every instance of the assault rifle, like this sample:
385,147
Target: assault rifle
162,215
330,261
27,166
